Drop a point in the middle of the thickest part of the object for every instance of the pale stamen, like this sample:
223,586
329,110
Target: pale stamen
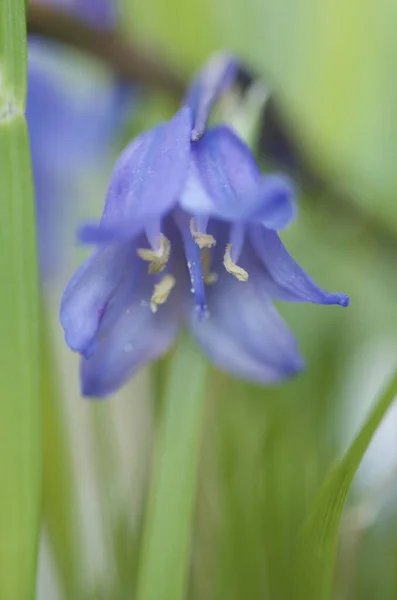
158,259
231,267
203,240
209,277
161,292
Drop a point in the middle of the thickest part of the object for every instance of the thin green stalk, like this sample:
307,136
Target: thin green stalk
167,536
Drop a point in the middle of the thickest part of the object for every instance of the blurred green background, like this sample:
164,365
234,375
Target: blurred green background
264,451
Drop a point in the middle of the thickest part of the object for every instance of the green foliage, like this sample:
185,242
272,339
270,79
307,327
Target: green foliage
318,543
164,564
262,531
13,64
20,452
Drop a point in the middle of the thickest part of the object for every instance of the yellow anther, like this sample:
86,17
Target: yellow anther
157,258
231,267
209,277
161,291
203,240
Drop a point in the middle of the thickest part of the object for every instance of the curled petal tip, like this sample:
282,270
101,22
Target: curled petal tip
92,392
89,350
76,341
91,383
344,300
297,366
294,365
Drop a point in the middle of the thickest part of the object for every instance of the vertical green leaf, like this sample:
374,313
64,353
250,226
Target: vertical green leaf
318,543
13,63
166,546
19,323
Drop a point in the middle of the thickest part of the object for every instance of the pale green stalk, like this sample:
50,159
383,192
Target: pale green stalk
165,556
20,469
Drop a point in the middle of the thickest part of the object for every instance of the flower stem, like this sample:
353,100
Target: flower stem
168,531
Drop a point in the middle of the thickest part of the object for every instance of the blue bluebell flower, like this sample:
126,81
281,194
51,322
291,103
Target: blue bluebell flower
68,129
189,236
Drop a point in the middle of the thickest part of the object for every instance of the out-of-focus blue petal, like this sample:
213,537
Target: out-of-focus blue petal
137,337
210,83
87,295
244,333
99,13
50,218
277,207
146,180
224,181
67,131
283,277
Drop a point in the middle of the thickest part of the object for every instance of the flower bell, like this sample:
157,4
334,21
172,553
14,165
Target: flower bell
188,234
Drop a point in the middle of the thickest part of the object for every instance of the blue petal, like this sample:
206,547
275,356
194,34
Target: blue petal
285,280
147,179
243,333
67,131
51,213
86,297
224,181
99,13
137,337
210,83
277,207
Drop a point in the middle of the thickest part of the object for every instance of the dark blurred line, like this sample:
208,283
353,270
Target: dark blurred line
278,145
138,65
133,63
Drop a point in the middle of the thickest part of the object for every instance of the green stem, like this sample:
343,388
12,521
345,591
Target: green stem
167,536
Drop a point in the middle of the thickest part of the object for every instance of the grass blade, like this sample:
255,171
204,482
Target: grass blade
318,543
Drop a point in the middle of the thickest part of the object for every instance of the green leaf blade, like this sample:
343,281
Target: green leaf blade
13,55
318,544
20,449
20,415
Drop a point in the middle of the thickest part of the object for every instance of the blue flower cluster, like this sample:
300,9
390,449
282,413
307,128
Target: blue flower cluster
188,235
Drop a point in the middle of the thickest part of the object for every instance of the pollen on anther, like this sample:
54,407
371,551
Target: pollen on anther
231,267
203,240
162,291
158,259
